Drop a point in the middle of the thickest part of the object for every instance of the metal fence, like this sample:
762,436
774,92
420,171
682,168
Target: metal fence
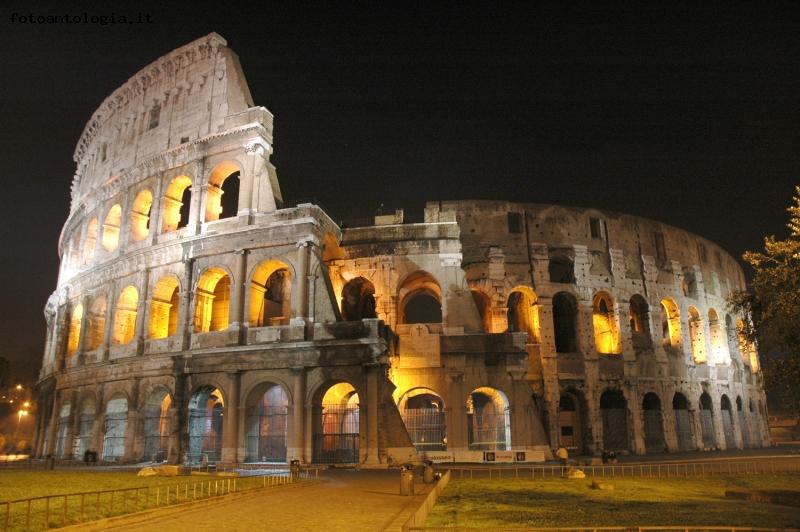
643,470
39,513
593,529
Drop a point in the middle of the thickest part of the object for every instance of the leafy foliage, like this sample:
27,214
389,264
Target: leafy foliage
773,303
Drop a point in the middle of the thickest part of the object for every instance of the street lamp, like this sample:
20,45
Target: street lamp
20,415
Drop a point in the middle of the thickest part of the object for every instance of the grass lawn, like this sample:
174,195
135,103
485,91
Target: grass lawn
564,503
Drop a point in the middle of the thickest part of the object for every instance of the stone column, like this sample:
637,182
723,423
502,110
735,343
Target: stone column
53,423
300,295
716,416
178,421
186,313
238,314
637,421
297,442
371,455
231,422
84,326
142,307
456,414
132,428
111,304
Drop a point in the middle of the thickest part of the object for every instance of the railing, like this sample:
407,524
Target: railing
39,513
673,528
643,470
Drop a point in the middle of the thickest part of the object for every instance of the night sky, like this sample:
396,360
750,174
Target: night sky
687,114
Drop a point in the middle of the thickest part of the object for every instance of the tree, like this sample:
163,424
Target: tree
772,301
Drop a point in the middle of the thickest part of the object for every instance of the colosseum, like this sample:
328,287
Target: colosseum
199,318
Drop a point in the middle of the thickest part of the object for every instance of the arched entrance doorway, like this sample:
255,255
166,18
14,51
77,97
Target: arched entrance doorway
727,422
683,422
336,425
265,424
115,423
707,421
205,425
423,414
157,426
570,422
488,420
614,411
653,427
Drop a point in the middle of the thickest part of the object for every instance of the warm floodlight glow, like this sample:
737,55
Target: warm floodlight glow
125,316
606,332
697,336
74,331
164,308
213,301
176,200
140,215
111,228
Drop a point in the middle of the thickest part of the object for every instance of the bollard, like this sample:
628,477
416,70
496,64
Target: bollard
428,474
294,468
407,480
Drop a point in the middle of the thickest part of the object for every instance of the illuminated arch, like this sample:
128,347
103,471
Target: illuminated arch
358,300
111,227
164,308
266,417
90,242
747,348
697,336
670,323
140,215
423,413
74,337
420,298
116,419
523,313
205,426
96,329
336,423
84,436
484,305
125,316
177,202
718,339
270,294
606,331
488,420
222,194
212,309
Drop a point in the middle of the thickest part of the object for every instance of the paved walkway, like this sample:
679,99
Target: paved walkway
345,500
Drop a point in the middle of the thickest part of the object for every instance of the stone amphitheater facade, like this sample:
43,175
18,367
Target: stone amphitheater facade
198,318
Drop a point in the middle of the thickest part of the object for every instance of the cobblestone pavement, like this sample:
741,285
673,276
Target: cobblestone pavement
344,500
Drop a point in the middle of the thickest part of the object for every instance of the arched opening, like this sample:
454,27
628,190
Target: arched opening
420,299
177,203
731,338
270,294
488,420
561,270
222,194
265,424
727,421
90,242
111,227
670,324
422,410
157,426
523,314
97,324
639,320
718,340
565,312
205,425
683,422
125,316
336,425
697,337
606,332
746,348
707,421
213,298
614,411
164,308
62,445
744,426
85,433
140,215
484,306
74,337
358,300
653,424
115,422
571,421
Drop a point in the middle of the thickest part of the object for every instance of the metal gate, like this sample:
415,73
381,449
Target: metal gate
336,434
653,432
83,441
707,425
205,435
745,429
570,429
156,441
488,431
727,428
266,434
615,429
61,443
114,438
683,428
426,428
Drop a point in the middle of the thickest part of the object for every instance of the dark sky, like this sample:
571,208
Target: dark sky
687,114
